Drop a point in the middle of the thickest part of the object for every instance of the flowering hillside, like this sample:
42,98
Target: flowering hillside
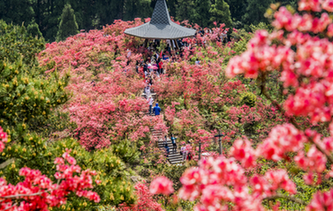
106,102
268,93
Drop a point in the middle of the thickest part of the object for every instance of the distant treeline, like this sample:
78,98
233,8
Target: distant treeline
90,14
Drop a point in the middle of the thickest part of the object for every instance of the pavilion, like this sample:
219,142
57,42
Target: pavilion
160,26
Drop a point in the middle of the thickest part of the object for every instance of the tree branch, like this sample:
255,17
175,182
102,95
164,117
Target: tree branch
329,157
290,198
10,207
275,103
291,119
21,195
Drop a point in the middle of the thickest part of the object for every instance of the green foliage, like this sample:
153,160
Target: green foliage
127,151
27,97
237,10
33,29
173,172
16,42
304,192
180,205
17,11
92,14
249,99
137,8
220,13
202,15
36,153
255,11
186,10
260,26
68,25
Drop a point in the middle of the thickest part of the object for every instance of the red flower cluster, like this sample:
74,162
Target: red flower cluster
211,182
3,139
38,192
305,61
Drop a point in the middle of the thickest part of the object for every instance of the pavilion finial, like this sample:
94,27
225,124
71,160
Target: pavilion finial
160,26
161,13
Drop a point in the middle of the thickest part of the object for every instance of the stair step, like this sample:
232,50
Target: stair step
175,155
160,141
176,161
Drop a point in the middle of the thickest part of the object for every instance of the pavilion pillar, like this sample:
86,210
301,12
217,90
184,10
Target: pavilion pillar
145,43
177,46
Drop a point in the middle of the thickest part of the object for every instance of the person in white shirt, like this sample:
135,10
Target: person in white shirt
197,62
150,103
150,67
129,53
147,91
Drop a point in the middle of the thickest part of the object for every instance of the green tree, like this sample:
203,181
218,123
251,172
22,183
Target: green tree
68,25
15,43
255,11
137,8
47,17
202,14
17,11
27,96
186,10
33,29
220,13
237,9
172,5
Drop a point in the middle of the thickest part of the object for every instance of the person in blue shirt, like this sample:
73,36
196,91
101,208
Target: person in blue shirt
173,140
167,149
165,140
164,57
157,110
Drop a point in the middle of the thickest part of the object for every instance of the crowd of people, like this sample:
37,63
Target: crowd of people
151,67
186,155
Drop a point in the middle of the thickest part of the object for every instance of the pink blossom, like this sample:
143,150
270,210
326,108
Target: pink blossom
242,151
321,201
327,5
161,185
282,139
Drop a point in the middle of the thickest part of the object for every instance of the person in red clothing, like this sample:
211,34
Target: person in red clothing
160,67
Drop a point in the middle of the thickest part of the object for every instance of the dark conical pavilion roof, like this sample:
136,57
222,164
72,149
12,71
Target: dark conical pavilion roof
160,26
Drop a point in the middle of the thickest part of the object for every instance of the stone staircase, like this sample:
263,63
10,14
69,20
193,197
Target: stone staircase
174,156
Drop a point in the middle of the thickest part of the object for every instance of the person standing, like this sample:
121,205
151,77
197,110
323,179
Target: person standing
147,91
160,67
182,150
167,149
173,140
150,103
165,140
197,62
157,110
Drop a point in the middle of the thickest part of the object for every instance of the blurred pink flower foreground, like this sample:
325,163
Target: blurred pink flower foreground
161,185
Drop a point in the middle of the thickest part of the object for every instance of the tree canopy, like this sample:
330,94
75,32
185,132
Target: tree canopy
91,14
68,25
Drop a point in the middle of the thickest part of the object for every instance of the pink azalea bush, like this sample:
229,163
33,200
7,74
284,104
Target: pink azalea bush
300,48
38,192
107,105
145,200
